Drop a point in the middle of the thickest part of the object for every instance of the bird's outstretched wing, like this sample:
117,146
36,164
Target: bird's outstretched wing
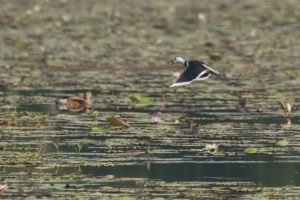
211,69
204,66
190,74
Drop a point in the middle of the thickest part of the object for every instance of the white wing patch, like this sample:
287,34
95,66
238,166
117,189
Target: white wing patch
180,84
211,69
199,78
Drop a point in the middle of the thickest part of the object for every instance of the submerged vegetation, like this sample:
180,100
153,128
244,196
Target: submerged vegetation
223,138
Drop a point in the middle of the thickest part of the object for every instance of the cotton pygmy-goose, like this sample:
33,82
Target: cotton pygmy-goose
195,71
75,104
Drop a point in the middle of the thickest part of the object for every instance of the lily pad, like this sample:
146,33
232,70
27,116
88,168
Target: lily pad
251,150
100,129
283,142
140,99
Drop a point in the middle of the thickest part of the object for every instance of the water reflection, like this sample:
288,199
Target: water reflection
268,174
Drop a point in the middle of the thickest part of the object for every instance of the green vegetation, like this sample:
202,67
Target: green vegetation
230,137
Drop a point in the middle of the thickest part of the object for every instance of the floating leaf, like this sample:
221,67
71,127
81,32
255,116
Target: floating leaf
251,150
139,98
283,142
3,188
215,56
62,115
248,96
23,88
33,115
25,117
265,140
20,44
100,129
117,122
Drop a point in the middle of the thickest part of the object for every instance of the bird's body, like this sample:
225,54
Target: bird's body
74,104
74,101
195,71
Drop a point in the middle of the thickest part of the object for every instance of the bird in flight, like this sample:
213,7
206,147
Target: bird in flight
195,71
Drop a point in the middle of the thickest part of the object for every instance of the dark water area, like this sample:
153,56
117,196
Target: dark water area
264,173
271,174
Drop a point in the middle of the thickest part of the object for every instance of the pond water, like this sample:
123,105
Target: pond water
76,151
224,138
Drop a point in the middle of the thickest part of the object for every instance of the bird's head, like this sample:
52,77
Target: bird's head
178,60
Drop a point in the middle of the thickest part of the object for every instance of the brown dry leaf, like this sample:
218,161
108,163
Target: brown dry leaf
268,23
191,124
117,122
109,176
3,188
163,98
286,107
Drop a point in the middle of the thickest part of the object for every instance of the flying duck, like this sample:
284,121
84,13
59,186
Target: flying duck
195,71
